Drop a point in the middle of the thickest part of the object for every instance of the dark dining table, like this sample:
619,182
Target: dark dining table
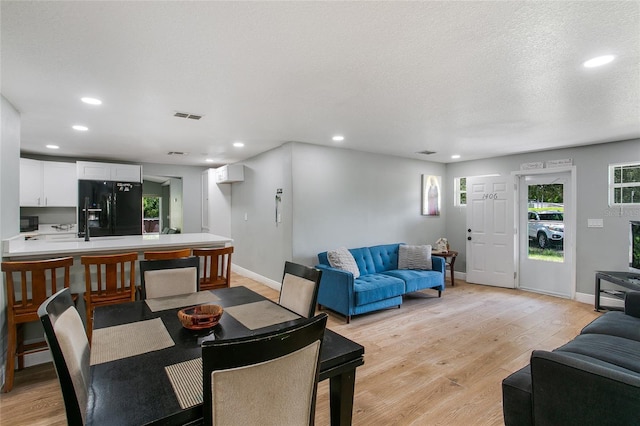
137,390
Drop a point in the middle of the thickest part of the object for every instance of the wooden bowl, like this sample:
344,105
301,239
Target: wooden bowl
200,317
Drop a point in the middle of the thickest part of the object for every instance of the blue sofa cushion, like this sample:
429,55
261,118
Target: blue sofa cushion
374,287
416,279
385,257
364,260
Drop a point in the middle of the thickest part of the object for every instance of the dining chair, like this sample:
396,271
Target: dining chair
216,269
299,290
111,286
169,277
64,333
277,372
24,295
167,254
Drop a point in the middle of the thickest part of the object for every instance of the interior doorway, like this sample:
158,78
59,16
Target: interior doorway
546,230
151,214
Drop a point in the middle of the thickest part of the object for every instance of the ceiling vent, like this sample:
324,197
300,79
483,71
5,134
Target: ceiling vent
187,115
177,153
426,152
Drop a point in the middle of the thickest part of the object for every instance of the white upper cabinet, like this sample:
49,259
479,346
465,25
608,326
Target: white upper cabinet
47,184
230,173
89,170
31,183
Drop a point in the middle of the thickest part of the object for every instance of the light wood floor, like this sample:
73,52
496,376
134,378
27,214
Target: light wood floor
431,362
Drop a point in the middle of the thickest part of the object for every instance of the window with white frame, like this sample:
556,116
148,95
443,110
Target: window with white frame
624,184
460,191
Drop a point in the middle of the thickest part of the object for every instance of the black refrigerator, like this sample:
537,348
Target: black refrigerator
114,208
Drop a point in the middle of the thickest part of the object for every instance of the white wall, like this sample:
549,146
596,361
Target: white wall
261,244
219,206
355,199
9,200
596,248
331,197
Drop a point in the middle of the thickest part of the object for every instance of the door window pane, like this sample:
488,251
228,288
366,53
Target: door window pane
546,222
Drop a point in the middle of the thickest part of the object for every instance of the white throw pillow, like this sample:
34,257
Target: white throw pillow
414,257
341,258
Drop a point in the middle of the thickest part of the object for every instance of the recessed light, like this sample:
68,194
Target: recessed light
80,128
600,60
238,144
338,138
91,101
209,160
53,146
455,156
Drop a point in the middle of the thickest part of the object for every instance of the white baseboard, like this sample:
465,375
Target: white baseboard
250,274
457,275
32,359
37,358
604,301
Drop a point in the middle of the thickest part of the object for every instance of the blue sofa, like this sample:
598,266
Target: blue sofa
380,285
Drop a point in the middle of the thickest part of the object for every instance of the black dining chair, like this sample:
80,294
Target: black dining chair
67,340
169,277
268,378
299,290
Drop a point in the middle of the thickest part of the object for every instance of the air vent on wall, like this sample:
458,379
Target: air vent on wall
426,152
187,115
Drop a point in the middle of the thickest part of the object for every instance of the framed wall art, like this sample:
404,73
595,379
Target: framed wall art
431,195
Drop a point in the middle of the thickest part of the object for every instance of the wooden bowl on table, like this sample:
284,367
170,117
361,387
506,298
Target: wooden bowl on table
200,317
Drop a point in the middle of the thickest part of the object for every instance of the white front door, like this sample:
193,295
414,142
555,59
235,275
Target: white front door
545,224
490,231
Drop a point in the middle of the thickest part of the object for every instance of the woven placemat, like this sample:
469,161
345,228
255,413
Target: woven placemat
186,380
123,341
260,314
172,302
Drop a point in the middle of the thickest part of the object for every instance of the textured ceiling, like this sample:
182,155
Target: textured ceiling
478,79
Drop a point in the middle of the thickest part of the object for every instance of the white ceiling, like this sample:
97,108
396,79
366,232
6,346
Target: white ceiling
478,79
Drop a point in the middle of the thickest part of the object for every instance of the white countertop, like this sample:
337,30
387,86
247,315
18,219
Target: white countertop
17,247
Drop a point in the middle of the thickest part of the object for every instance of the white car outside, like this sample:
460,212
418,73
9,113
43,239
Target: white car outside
546,228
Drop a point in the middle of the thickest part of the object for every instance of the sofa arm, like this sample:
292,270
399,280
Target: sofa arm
438,264
336,290
574,389
632,303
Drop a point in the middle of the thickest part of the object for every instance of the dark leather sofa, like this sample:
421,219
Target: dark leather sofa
592,380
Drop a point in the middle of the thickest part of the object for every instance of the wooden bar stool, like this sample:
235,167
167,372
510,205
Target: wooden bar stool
216,270
24,297
167,254
112,286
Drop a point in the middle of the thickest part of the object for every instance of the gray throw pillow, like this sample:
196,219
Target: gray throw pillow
414,257
341,258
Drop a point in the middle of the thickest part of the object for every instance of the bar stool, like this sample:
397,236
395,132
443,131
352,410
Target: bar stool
216,271
23,301
112,287
167,254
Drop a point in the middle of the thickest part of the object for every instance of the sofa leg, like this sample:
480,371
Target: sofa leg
439,293
348,319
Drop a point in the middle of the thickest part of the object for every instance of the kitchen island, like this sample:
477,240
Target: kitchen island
19,249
